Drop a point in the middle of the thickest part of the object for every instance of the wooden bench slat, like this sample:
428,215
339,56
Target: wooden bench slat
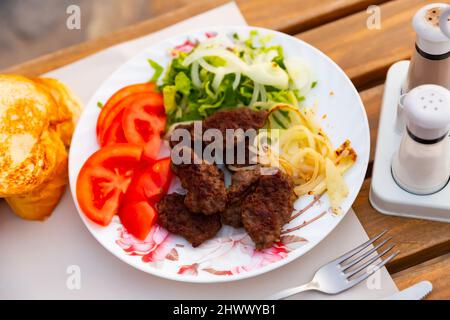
293,16
365,55
372,101
71,54
436,271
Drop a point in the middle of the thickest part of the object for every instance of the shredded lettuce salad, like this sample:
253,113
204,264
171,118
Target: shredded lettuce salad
228,72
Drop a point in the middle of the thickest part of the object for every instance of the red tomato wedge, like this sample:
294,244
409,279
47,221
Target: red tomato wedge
114,134
116,113
150,182
151,148
104,179
144,121
147,187
120,95
138,218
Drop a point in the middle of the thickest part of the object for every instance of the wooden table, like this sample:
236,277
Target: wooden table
338,28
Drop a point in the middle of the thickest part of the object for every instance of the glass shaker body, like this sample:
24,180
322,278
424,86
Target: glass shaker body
422,168
423,70
422,162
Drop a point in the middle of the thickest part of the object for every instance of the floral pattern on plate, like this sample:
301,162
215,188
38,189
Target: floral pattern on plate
161,248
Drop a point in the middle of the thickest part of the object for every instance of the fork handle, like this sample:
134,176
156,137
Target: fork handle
291,291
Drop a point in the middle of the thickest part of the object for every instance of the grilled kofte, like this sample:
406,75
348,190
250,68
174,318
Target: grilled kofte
242,184
205,182
206,193
268,208
176,218
260,203
238,118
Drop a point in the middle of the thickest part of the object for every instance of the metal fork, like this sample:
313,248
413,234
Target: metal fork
341,274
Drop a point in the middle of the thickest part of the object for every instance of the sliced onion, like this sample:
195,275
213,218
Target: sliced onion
263,93
300,73
263,72
218,79
269,74
255,94
247,58
231,59
268,57
236,81
205,65
195,76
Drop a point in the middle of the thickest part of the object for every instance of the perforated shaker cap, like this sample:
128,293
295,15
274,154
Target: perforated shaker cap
430,38
427,111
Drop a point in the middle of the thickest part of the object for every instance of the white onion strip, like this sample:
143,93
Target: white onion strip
237,80
255,94
195,76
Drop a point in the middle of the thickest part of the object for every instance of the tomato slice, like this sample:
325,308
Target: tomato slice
144,121
120,95
150,182
104,179
147,187
114,113
114,134
138,218
151,148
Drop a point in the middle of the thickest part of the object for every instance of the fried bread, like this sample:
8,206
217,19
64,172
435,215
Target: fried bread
39,204
37,119
25,111
69,107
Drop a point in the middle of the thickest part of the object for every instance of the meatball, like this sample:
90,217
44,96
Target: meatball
206,192
242,183
176,218
238,118
268,208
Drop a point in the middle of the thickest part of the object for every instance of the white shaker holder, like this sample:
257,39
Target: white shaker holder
386,195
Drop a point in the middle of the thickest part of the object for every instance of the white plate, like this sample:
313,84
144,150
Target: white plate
231,254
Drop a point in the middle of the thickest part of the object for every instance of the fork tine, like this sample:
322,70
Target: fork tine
377,267
358,248
368,263
364,255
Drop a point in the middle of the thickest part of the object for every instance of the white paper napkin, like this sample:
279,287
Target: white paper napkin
36,259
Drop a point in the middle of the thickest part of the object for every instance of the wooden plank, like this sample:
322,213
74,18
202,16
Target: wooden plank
294,16
436,271
372,102
365,55
68,55
418,240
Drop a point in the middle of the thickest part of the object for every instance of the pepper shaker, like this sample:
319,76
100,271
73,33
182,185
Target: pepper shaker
430,63
421,165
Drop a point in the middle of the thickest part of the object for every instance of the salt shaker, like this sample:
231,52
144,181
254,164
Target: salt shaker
430,63
422,163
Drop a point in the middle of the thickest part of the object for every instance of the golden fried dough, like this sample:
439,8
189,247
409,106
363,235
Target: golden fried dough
37,119
34,170
25,111
39,204
69,107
